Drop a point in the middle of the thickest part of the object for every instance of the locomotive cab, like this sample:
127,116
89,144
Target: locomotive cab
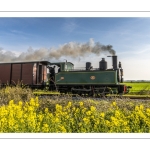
55,68
62,66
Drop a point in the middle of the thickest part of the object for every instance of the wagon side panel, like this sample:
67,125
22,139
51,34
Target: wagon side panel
5,73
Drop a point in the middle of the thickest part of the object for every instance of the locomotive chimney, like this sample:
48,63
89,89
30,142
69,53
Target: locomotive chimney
114,62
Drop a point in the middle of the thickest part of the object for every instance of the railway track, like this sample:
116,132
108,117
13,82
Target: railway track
76,96
136,97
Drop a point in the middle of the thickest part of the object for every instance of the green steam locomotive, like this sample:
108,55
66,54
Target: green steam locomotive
89,81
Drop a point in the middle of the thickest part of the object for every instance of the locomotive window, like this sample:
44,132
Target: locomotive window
69,67
66,67
63,67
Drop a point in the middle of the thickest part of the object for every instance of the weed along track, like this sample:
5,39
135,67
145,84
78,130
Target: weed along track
81,97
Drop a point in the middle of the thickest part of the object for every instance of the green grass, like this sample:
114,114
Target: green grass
40,92
139,88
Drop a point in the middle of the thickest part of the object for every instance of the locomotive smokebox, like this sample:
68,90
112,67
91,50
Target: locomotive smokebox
88,65
102,64
114,62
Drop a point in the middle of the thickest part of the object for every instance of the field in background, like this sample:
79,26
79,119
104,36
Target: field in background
139,88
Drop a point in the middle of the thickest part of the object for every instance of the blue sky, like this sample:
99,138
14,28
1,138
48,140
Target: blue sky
130,38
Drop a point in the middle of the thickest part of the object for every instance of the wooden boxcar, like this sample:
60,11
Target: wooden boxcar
31,73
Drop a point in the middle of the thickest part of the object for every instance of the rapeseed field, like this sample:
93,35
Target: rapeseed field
27,117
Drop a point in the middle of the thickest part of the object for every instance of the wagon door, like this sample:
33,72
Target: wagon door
27,73
42,73
16,73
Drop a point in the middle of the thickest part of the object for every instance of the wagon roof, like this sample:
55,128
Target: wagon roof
20,62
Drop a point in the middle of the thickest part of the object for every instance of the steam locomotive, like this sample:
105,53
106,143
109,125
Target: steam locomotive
62,76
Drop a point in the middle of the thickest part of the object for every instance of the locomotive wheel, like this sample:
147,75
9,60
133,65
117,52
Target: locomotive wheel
90,93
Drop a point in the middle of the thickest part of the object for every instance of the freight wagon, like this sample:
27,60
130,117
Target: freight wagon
31,73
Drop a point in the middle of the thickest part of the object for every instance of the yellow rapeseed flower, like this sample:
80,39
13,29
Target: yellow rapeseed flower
141,107
20,103
81,104
46,110
63,129
88,113
136,108
102,114
58,108
32,102
56,120
86,120
11,102
114,104
45,127
117,113
148,112
92,108
83,110
125,123
69,104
